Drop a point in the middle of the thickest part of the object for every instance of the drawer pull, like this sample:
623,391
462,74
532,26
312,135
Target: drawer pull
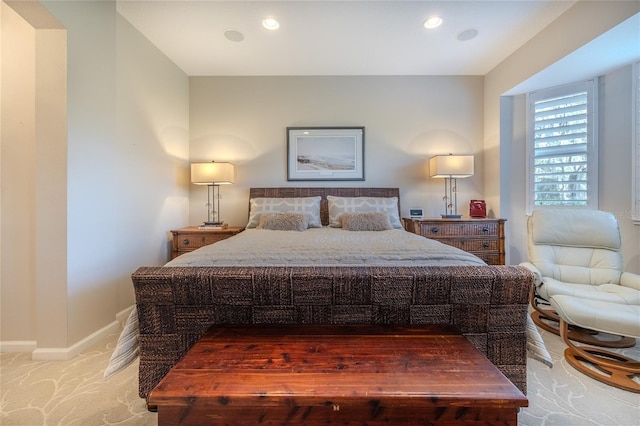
434,230
185,242
485,245
485,229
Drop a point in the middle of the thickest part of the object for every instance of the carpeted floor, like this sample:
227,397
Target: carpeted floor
74,393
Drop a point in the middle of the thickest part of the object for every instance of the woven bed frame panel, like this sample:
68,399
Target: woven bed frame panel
177,305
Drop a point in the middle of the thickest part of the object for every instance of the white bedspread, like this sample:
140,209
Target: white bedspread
318,247
327,247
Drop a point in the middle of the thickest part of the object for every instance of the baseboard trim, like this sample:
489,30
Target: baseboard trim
17,346
63,354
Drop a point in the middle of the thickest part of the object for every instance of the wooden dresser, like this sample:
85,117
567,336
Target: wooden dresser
191,238
482,237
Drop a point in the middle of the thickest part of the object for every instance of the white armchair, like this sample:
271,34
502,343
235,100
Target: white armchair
577,252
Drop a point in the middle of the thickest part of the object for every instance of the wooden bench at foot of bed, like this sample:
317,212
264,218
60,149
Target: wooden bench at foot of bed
316,375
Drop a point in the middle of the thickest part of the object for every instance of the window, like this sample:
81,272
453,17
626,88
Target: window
635,171
562,147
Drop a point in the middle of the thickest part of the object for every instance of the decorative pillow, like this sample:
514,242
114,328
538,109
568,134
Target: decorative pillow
307,205
340,205
283,221
371,221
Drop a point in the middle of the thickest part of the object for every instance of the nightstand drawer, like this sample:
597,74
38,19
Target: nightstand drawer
490,259
192,238
458,229
192,242
476,245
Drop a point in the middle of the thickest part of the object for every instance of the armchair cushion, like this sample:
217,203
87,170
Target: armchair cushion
579,265
599,315
631,280
612,293
576,228
575,246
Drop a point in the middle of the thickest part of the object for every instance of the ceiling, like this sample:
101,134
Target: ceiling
352,37
338,37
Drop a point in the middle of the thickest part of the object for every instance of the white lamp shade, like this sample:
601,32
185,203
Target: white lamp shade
451,166
212,173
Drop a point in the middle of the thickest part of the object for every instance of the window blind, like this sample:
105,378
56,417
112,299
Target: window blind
561,135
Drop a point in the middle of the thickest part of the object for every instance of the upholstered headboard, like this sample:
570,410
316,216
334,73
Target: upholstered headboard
292,192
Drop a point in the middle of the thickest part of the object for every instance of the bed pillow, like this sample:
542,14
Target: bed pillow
307,205
370,221
340,205
283,221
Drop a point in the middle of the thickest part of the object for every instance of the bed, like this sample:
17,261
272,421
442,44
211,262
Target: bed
360,279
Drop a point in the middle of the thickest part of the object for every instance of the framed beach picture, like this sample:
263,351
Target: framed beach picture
325,153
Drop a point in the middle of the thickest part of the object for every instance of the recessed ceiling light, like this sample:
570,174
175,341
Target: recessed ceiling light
433,22
468,34
270,23
233,35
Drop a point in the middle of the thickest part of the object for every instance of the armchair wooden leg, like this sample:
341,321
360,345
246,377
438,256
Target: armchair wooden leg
610,368
549,320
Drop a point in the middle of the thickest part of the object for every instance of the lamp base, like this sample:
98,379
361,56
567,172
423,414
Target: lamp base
451,216
212,223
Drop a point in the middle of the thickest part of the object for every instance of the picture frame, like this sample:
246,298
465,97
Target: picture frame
325,153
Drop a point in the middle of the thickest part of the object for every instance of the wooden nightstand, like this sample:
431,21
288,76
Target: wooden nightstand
191,238
482,237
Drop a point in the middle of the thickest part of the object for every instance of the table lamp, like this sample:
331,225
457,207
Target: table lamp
451,167
213,175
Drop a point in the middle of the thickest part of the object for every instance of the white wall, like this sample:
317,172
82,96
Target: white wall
514,151
127,177
615,159
407,120
33,161
128,145
16,153
151,180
